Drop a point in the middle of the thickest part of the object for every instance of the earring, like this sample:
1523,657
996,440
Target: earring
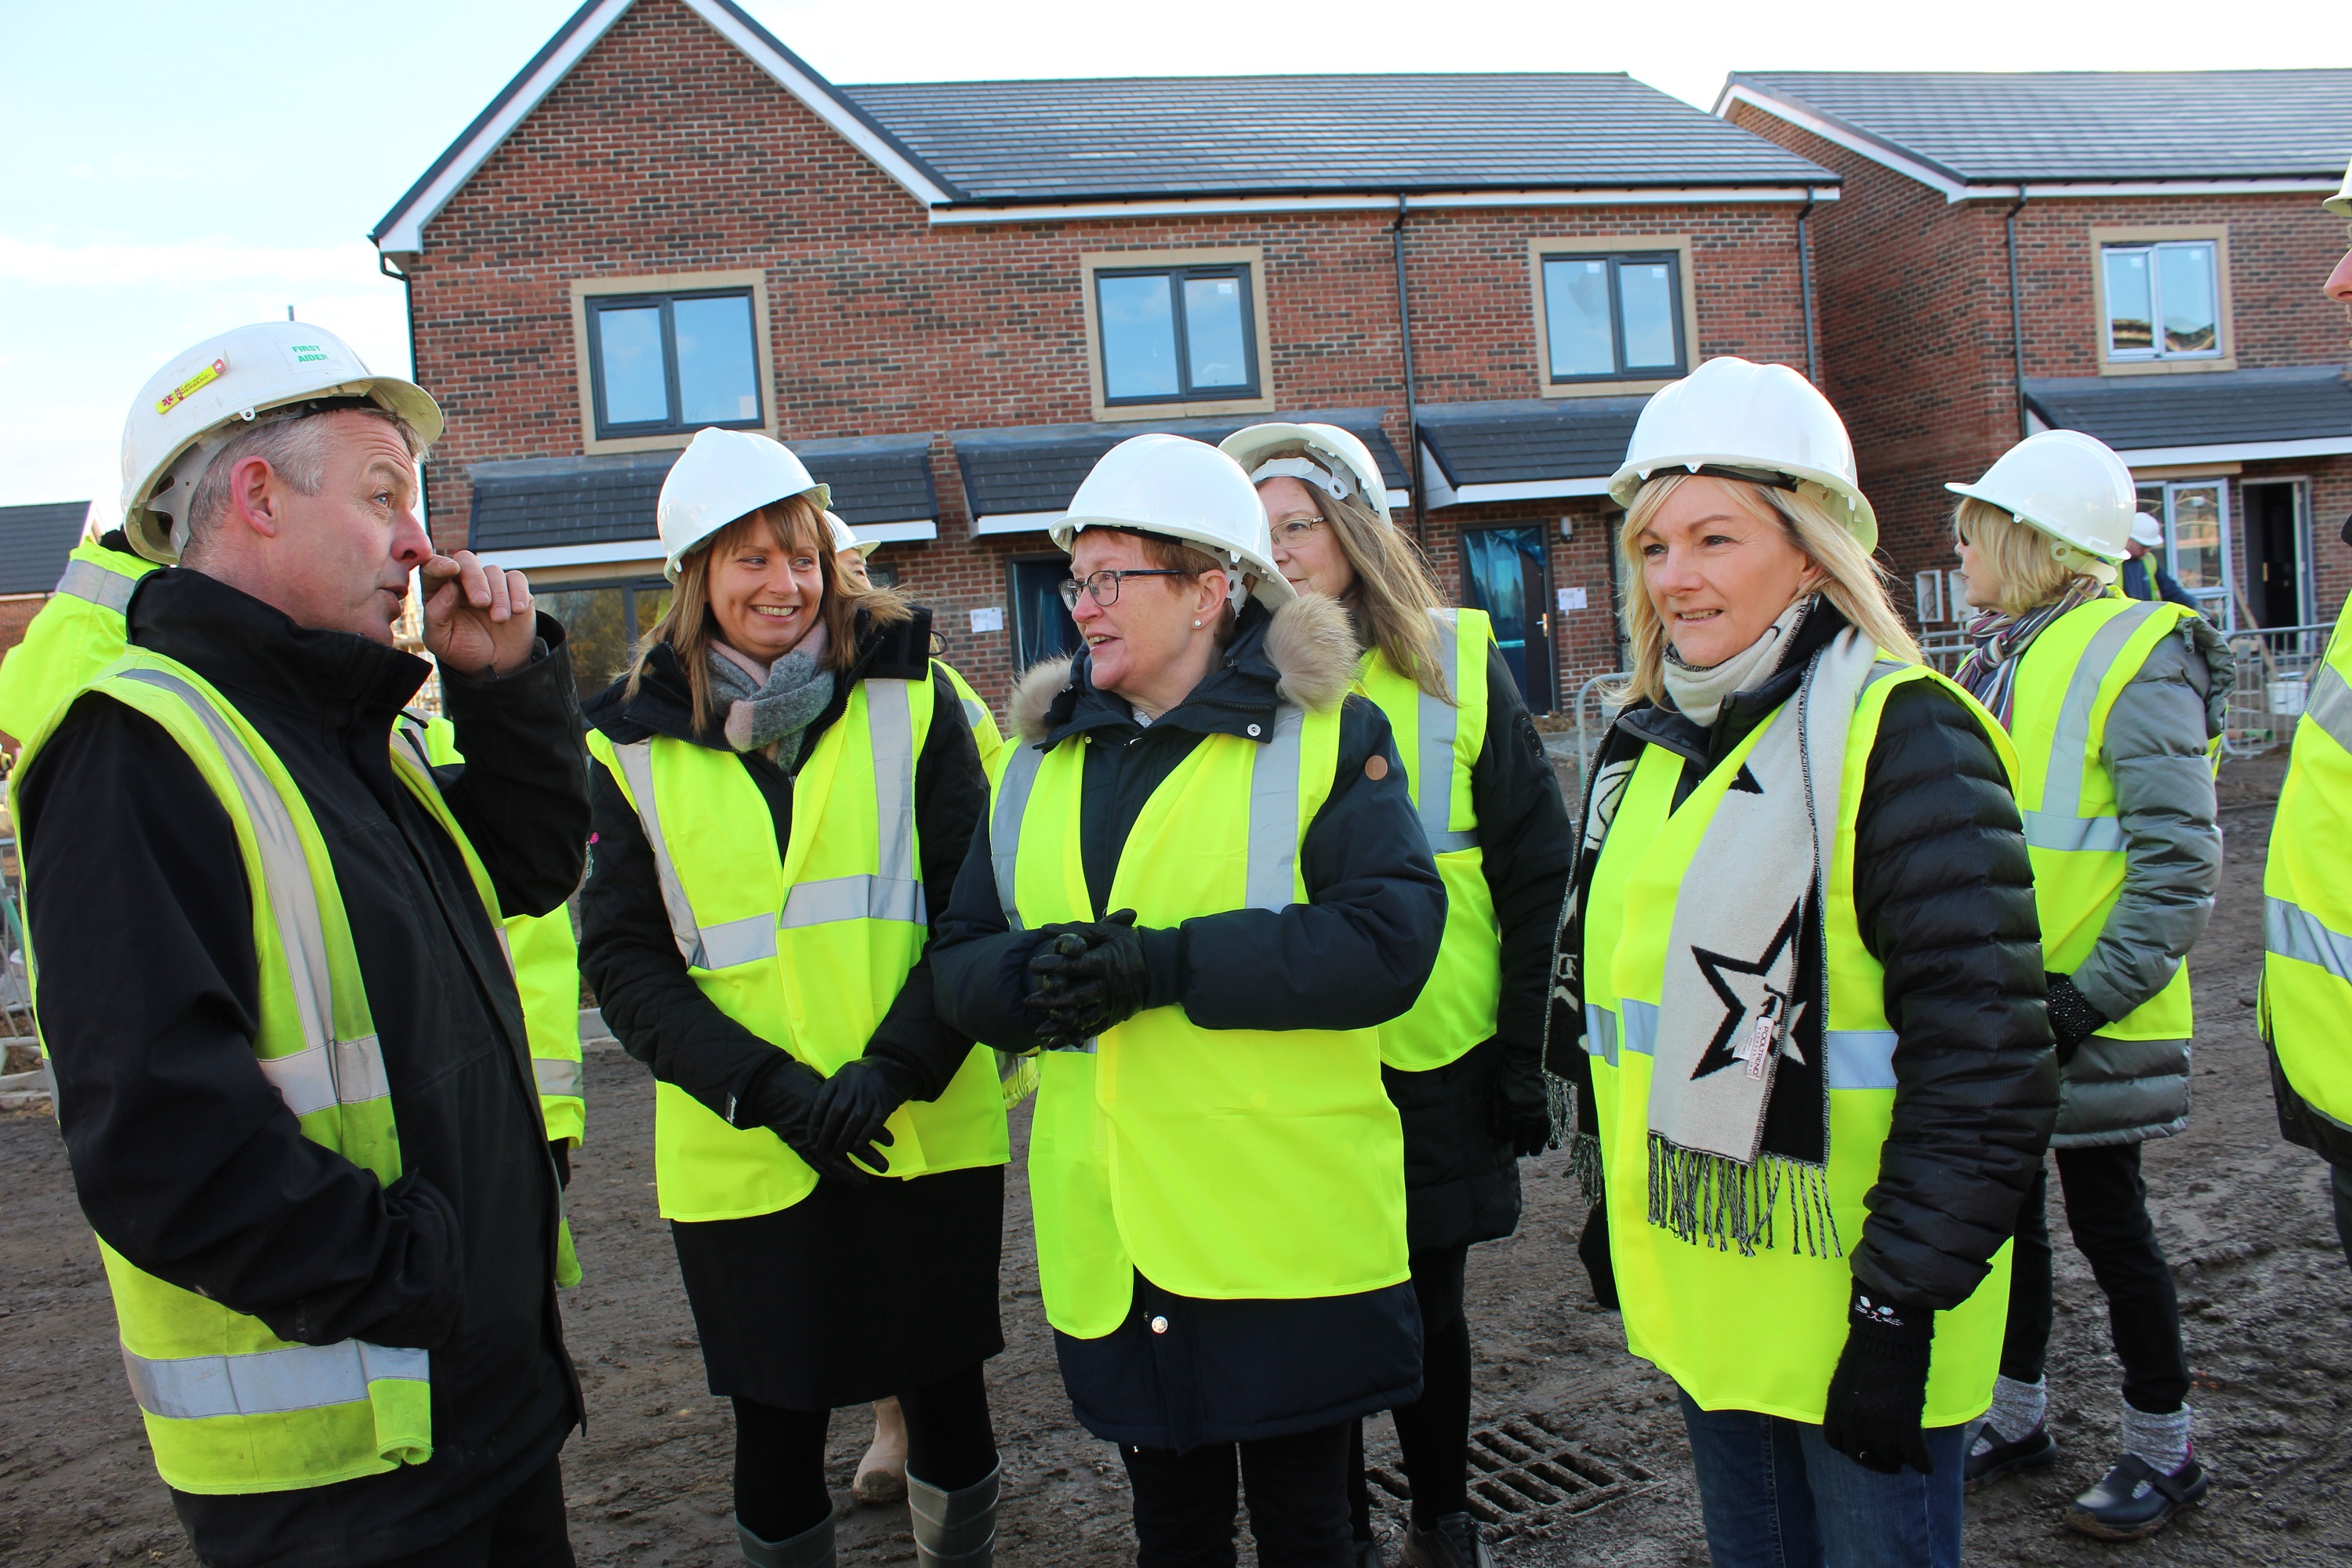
1196,625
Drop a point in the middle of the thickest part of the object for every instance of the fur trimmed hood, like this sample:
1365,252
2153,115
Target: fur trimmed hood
1309,646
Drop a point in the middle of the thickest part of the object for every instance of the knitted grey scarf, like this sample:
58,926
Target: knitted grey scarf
776,710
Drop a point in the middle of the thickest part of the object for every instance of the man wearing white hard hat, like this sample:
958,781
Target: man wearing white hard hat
1200,890
2306,998
1799,952
784,790
2144,576
309,1136
2115,707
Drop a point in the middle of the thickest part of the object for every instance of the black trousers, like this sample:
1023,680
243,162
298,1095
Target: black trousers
1298,1492
779,1454
2107,1206
527,1531
1433,1431
2339,1182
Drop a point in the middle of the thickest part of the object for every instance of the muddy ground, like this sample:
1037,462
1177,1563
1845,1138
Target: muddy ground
2267,1299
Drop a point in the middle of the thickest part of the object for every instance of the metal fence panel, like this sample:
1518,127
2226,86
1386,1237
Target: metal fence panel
2274,668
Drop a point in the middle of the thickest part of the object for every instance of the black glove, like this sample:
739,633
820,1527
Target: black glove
1879,1387
1593,1250
783,1099
1522,1110
2071,1017
1080,994
847,1116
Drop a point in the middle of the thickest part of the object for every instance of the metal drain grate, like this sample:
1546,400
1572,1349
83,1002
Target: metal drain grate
1525,1472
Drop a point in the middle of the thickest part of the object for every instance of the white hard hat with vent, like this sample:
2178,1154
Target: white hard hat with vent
2071,486
1181,488
2340,203
1331,459
723,475
203,395
1763,423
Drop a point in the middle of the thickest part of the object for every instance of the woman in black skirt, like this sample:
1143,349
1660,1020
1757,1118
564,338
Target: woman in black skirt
787,788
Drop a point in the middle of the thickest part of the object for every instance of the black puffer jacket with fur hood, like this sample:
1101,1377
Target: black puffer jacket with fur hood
1354,956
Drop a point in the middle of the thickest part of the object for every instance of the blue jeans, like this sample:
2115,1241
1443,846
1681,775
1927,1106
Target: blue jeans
1775,1495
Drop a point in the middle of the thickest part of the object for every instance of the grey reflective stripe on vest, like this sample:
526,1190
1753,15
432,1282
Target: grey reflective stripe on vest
894,893
1274,814
1004,823
326,1072
267,1383
974,710
2330,705
558,1076
88,580
1600,1033
2291,933
1859,1059
2061,825
1440,721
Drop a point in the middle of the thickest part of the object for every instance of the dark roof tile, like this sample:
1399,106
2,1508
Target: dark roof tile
1530,440
2215,409
35,541
1038,468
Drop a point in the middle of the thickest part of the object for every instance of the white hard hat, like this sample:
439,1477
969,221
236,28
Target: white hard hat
723,475
2147,532
1182,489
842,538
2340,203
189,409
2071,486
1744,420
1334,461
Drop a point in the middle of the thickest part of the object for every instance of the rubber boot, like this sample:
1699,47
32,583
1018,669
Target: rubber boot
811,1548
882,1473
954,1529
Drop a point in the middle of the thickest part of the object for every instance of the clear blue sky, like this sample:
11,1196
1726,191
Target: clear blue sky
172,169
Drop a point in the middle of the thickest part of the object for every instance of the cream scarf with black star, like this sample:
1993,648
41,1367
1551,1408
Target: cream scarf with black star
1741,1017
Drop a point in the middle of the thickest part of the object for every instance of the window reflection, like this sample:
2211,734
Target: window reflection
1176,332
1212,331
1138,338
716,380
1611,316
1576,309
601,624
635,391
2163,301
1646,296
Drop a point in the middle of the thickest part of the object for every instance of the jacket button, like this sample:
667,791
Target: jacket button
1159,1325
1253,730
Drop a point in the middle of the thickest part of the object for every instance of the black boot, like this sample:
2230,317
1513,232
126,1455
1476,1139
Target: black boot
1449,1541
2136,1499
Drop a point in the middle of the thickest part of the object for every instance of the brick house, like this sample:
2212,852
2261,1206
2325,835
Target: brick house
2138,256
950,299
35,541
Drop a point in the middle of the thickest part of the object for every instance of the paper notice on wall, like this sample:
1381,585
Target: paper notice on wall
991,619
1572,598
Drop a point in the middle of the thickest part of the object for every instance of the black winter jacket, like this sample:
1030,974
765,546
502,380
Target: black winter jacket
1944,895
1461,1178
627,951
1353,957
185,1159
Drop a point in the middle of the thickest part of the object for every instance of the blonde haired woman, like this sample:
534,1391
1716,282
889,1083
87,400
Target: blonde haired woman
1465,1066
2113,704
787,788
1801,953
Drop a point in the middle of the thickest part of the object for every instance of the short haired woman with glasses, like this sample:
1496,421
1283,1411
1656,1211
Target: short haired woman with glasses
1465,1066
1200,890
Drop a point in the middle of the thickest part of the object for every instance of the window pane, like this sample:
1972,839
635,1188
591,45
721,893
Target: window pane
2130,311
2184,282
716,383
1576,309
1645,291
1139,337
1214,338
1040,620
2197,537
596,629
649,604
635,388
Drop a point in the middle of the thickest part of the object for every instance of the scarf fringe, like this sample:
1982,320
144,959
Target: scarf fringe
1583,1147
1712,1200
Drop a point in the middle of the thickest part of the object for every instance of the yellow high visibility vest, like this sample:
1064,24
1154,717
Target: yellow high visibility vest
76,635
2306,995
984,732
1758,1332
1439,742
546,959
1220,1164
807,952
230,1407
2066,688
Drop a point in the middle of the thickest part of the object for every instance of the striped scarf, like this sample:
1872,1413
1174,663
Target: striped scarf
1989,672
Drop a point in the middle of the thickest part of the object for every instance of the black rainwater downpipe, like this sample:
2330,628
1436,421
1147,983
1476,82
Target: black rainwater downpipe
408,291
2017,313
1805,283
1411,404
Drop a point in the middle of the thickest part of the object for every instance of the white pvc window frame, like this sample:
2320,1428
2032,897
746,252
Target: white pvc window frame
2155,250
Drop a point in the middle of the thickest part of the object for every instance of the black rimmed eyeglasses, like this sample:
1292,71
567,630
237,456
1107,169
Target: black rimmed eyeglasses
1104,585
